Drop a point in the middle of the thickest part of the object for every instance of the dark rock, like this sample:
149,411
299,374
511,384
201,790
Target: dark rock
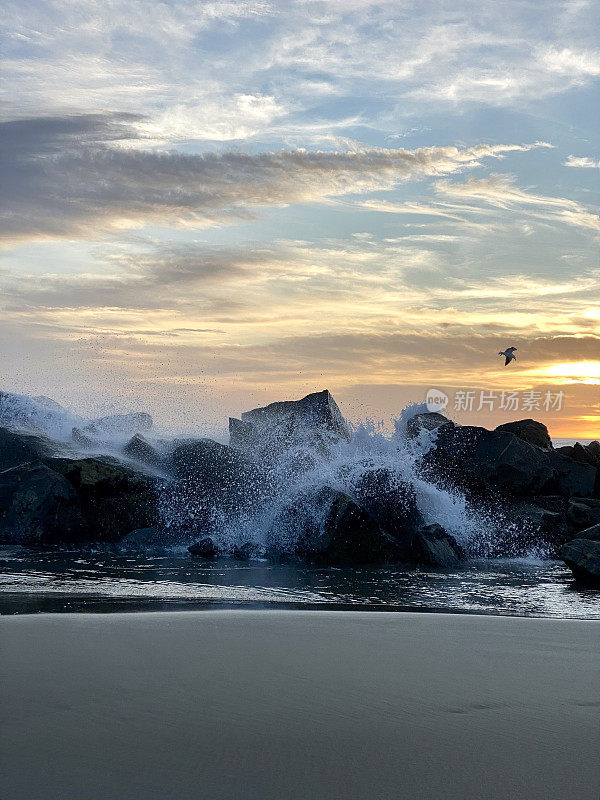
583,558
112,498
37,505
530,527
551,502
427,421
22,448
350,535
392,503
577,452
581,515
326,526
242,435
476,460
143,539
139,449
219,474
119,425
530,431
572,477
434,547
313,421
593,449
79,439
246,551
205,548
592,533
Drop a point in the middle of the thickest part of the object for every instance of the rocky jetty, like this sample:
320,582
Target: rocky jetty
293,475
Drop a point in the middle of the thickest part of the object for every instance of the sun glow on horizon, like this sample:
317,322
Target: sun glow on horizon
575,372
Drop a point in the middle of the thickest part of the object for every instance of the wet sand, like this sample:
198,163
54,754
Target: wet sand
311,705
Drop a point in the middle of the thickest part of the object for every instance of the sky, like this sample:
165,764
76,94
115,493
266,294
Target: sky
208,206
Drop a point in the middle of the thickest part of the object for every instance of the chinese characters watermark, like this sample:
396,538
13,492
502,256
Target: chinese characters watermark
485,400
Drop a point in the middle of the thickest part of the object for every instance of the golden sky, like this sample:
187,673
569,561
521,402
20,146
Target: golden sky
209,207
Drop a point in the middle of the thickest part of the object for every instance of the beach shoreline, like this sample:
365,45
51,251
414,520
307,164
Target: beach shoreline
241,704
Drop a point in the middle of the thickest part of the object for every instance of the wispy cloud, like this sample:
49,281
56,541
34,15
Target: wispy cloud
500,191
583,162
63,177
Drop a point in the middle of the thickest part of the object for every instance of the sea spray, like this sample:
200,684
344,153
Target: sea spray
297,469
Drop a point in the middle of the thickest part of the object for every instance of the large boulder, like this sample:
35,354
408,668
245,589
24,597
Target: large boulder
434,547
426,421
218,473
144,539
37,505
583,558
118,425
17,447
139,449
205,548
572,477
315,419
592,533
581,514
478,460
392,502
36,415
112,498
349,535
530,431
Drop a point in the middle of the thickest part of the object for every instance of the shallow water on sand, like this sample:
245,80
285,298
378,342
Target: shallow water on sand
35,581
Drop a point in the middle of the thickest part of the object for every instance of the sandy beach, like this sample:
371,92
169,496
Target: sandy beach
243,705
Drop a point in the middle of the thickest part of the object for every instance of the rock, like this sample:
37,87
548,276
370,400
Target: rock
581,515
246,551
326,526
392,503
583,558
36,415
205,548
427,421
529,431
551,502
119,425
219,474
18,448
351,535
143,539
79,439
529,526
592,533
572,477
37,506
593,449
477,460
139,449
314,420
434,547
112,498
242,435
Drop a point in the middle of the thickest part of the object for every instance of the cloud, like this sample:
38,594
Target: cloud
178,61
501,192
582,162
64,177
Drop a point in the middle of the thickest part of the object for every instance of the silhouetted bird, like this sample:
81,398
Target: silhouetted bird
509,355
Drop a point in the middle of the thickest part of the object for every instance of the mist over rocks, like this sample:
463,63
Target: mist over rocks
295,482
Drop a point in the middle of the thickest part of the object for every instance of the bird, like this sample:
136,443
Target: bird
509,355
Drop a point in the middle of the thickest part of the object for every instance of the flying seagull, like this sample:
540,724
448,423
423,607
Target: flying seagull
509,355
